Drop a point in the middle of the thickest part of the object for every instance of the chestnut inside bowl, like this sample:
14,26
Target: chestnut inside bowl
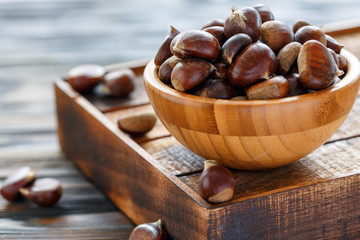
254,134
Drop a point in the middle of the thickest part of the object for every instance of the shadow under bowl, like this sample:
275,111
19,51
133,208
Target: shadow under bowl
254,134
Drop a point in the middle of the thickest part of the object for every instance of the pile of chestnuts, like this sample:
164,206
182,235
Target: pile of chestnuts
84,78
250,56
44,192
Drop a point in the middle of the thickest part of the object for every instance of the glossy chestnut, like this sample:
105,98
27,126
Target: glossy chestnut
216,183
233,46
149,231
317,68
189,73
164,51
195,43
119,83
246,20
255,63
21,177
265,12
84,78
310,33
44,192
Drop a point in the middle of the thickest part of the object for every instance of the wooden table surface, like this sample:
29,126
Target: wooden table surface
42,39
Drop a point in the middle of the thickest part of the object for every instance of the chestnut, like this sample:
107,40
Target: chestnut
84,78
276,34
233,46
298,24
342,62
215,88
21,177
246,20
255,63
166,68
149,231
265,12
164,51
275,87
333,44
138,123
295,87
217,32
119,83
220,71
310,33
189,73
195,43
287,57
45,192
334,55
317,68
215,22
216,183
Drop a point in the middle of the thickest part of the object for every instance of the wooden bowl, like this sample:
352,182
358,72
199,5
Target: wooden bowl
254,134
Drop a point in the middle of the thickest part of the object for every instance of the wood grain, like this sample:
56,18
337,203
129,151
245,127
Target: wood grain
253,135
42,39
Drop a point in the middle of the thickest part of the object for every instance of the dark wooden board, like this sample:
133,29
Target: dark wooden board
155,177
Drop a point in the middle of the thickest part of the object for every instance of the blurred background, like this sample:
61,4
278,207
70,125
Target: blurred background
42,39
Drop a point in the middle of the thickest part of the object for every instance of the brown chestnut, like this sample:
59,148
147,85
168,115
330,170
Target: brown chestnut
215,22
21,177
298,24
45,192
265,13
275,87
246,20
233,46
195,43
138,123
317,68
255,63
84,78
342,62
216,183
239,98
287,57
220,71
189,73
276,34
217,32
295,87
333,44
310,33
119,83
164,51
149,231
215,88
334,55
166,68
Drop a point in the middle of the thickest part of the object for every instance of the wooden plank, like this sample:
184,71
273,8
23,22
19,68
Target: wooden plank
334,160
125,172
159,131
173,156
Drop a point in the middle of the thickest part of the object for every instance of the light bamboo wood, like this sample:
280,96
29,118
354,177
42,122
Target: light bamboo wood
253,135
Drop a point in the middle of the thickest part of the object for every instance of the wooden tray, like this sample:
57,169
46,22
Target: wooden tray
155,177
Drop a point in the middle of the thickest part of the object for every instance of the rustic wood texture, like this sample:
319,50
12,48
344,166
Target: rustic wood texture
290,202
254,135
42,39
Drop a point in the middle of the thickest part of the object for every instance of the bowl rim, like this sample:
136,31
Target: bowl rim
352,75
